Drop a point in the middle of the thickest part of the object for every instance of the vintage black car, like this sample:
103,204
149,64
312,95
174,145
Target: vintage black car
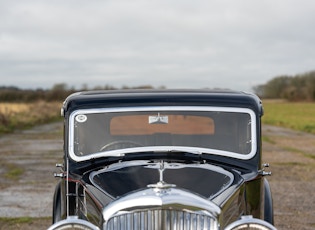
162,159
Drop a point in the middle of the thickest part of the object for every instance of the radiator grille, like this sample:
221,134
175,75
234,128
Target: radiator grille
161,220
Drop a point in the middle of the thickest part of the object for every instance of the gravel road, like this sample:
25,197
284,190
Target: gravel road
291,155
28,161
33,154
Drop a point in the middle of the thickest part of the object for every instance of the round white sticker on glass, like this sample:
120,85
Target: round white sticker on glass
81,118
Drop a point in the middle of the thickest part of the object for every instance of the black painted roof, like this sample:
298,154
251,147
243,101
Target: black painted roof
167,97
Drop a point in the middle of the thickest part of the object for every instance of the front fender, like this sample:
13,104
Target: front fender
57,206
268,203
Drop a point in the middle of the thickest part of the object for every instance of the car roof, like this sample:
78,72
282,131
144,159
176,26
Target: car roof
161,97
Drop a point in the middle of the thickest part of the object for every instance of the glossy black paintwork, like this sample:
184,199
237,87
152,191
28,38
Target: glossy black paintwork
245,195
240,198
134,98
105,99
201,181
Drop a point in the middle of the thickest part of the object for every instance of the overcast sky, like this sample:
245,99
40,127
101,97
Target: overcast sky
234,44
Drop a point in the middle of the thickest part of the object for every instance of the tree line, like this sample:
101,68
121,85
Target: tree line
300,87
58,92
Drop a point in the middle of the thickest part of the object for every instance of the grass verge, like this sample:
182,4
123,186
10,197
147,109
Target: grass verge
298,116
25,223
13,172
14,221
15,116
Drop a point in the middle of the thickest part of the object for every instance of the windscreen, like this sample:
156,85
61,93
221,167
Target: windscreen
220,129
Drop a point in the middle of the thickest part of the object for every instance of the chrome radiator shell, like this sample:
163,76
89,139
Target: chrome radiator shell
162,220
161,208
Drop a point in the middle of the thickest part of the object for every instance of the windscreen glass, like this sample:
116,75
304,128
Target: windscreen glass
99,131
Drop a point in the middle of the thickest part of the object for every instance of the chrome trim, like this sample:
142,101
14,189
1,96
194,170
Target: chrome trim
163,198
262,170
162,220
73,222
163,148
62,112
248,222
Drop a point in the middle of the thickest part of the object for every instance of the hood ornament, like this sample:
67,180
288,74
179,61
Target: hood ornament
161,185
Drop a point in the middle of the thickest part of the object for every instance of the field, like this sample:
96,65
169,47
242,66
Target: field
31,155
15,116
298,116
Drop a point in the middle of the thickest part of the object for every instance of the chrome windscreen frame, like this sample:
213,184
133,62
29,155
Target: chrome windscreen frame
197,150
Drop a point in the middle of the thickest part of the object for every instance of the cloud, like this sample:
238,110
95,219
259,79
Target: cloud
182,44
